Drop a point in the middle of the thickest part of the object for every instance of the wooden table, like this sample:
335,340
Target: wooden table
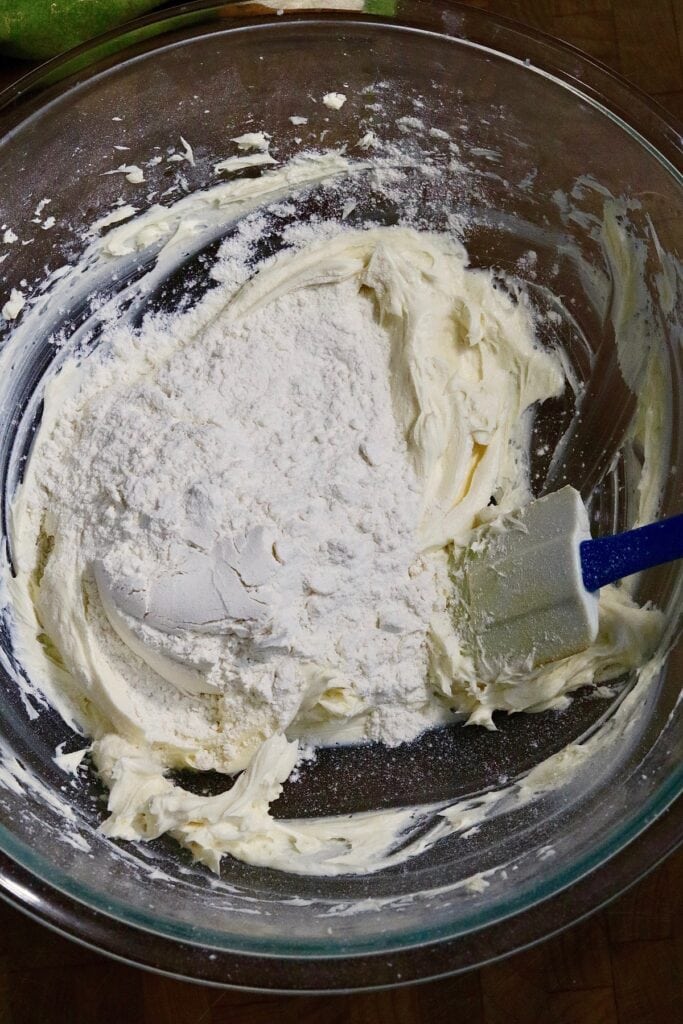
623,966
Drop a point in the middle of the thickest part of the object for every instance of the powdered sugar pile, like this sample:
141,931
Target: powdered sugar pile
282,424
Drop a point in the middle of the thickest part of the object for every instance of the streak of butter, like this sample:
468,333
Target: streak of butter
14,305
252,140
629,305
651,429
134,174
627,636
144,805
239,163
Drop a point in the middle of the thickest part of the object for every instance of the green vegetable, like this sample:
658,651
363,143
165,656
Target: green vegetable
380,7
38,29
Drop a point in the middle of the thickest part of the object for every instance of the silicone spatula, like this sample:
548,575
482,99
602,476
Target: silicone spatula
530,582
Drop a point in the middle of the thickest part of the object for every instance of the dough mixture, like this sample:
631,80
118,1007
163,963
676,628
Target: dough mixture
239,526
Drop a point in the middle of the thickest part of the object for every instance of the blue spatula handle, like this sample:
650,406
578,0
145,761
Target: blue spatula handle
607,559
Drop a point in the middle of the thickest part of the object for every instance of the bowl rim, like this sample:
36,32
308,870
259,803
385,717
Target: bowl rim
345,974
613,866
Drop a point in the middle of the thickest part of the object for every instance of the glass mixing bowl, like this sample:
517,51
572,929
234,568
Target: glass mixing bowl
544,136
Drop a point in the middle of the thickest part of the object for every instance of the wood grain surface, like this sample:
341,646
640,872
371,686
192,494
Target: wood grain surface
622,966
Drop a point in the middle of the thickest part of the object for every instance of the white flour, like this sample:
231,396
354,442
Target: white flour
319,470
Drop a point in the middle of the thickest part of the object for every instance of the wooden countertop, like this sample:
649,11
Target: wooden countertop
622,966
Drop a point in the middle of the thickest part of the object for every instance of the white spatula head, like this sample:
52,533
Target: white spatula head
521,595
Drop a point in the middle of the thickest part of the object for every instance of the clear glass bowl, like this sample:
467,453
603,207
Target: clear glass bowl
554,117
